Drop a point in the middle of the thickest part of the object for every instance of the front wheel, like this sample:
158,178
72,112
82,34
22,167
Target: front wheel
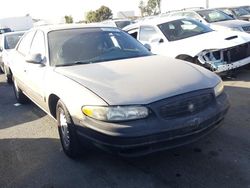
67,132
8,75
20,97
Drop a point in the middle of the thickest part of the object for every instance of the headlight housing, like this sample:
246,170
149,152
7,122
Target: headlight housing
115,113
218,89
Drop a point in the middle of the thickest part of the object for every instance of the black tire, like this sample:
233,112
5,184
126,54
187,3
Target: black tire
20,97
1,69
8,77
67,131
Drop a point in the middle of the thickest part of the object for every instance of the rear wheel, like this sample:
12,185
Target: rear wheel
20,97
67,132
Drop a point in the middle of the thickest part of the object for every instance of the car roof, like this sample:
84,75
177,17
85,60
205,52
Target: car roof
13,33
54,27
154,21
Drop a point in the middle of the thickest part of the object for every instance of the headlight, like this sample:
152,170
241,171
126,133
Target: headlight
218,89
115,113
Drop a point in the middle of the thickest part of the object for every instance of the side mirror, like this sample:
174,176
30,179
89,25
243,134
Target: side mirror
34,58
147,46
1,48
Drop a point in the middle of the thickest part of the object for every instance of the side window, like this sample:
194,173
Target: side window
146,33
38,44
24,45
133,33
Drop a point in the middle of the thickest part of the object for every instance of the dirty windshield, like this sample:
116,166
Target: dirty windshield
90,45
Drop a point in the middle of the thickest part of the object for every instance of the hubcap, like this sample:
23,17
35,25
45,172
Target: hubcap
64,129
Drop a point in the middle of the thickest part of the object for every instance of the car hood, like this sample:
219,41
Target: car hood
231,23
210,40
140,80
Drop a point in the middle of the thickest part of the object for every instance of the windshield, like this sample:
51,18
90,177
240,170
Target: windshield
182,28
91,45
214,15
11,40
240,11
247,9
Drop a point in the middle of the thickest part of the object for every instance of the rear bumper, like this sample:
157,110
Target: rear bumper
131,144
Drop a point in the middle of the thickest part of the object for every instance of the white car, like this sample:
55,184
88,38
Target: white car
190,40
8,41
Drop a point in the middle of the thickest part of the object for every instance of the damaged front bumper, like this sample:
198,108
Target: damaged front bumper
223,60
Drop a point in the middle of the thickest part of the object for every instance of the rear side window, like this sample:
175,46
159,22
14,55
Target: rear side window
133,33
12,40
24,45
146,33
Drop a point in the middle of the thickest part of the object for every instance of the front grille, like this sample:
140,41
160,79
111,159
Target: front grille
246,28
186,106
237,53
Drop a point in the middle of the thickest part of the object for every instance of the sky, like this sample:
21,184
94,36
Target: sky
55,9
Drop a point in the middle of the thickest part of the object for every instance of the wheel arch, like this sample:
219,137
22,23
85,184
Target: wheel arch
52,102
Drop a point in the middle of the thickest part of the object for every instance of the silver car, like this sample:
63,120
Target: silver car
104,87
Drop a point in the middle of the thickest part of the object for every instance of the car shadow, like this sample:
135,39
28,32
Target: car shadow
39,162
239,75
12,113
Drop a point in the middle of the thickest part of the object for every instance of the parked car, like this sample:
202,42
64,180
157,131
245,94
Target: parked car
215,19
8,41
104,87
20,23
237,12
5,30
192,41
120,23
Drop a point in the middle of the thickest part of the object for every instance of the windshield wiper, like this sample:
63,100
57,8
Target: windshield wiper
75,63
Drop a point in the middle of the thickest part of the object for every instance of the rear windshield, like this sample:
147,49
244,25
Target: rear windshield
240,11
122,24
12,40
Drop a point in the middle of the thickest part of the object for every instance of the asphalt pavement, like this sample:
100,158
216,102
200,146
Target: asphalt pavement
31,154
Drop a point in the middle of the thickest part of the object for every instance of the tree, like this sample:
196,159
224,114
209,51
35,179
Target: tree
91,17
142,7
68,19
153,7
103,13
